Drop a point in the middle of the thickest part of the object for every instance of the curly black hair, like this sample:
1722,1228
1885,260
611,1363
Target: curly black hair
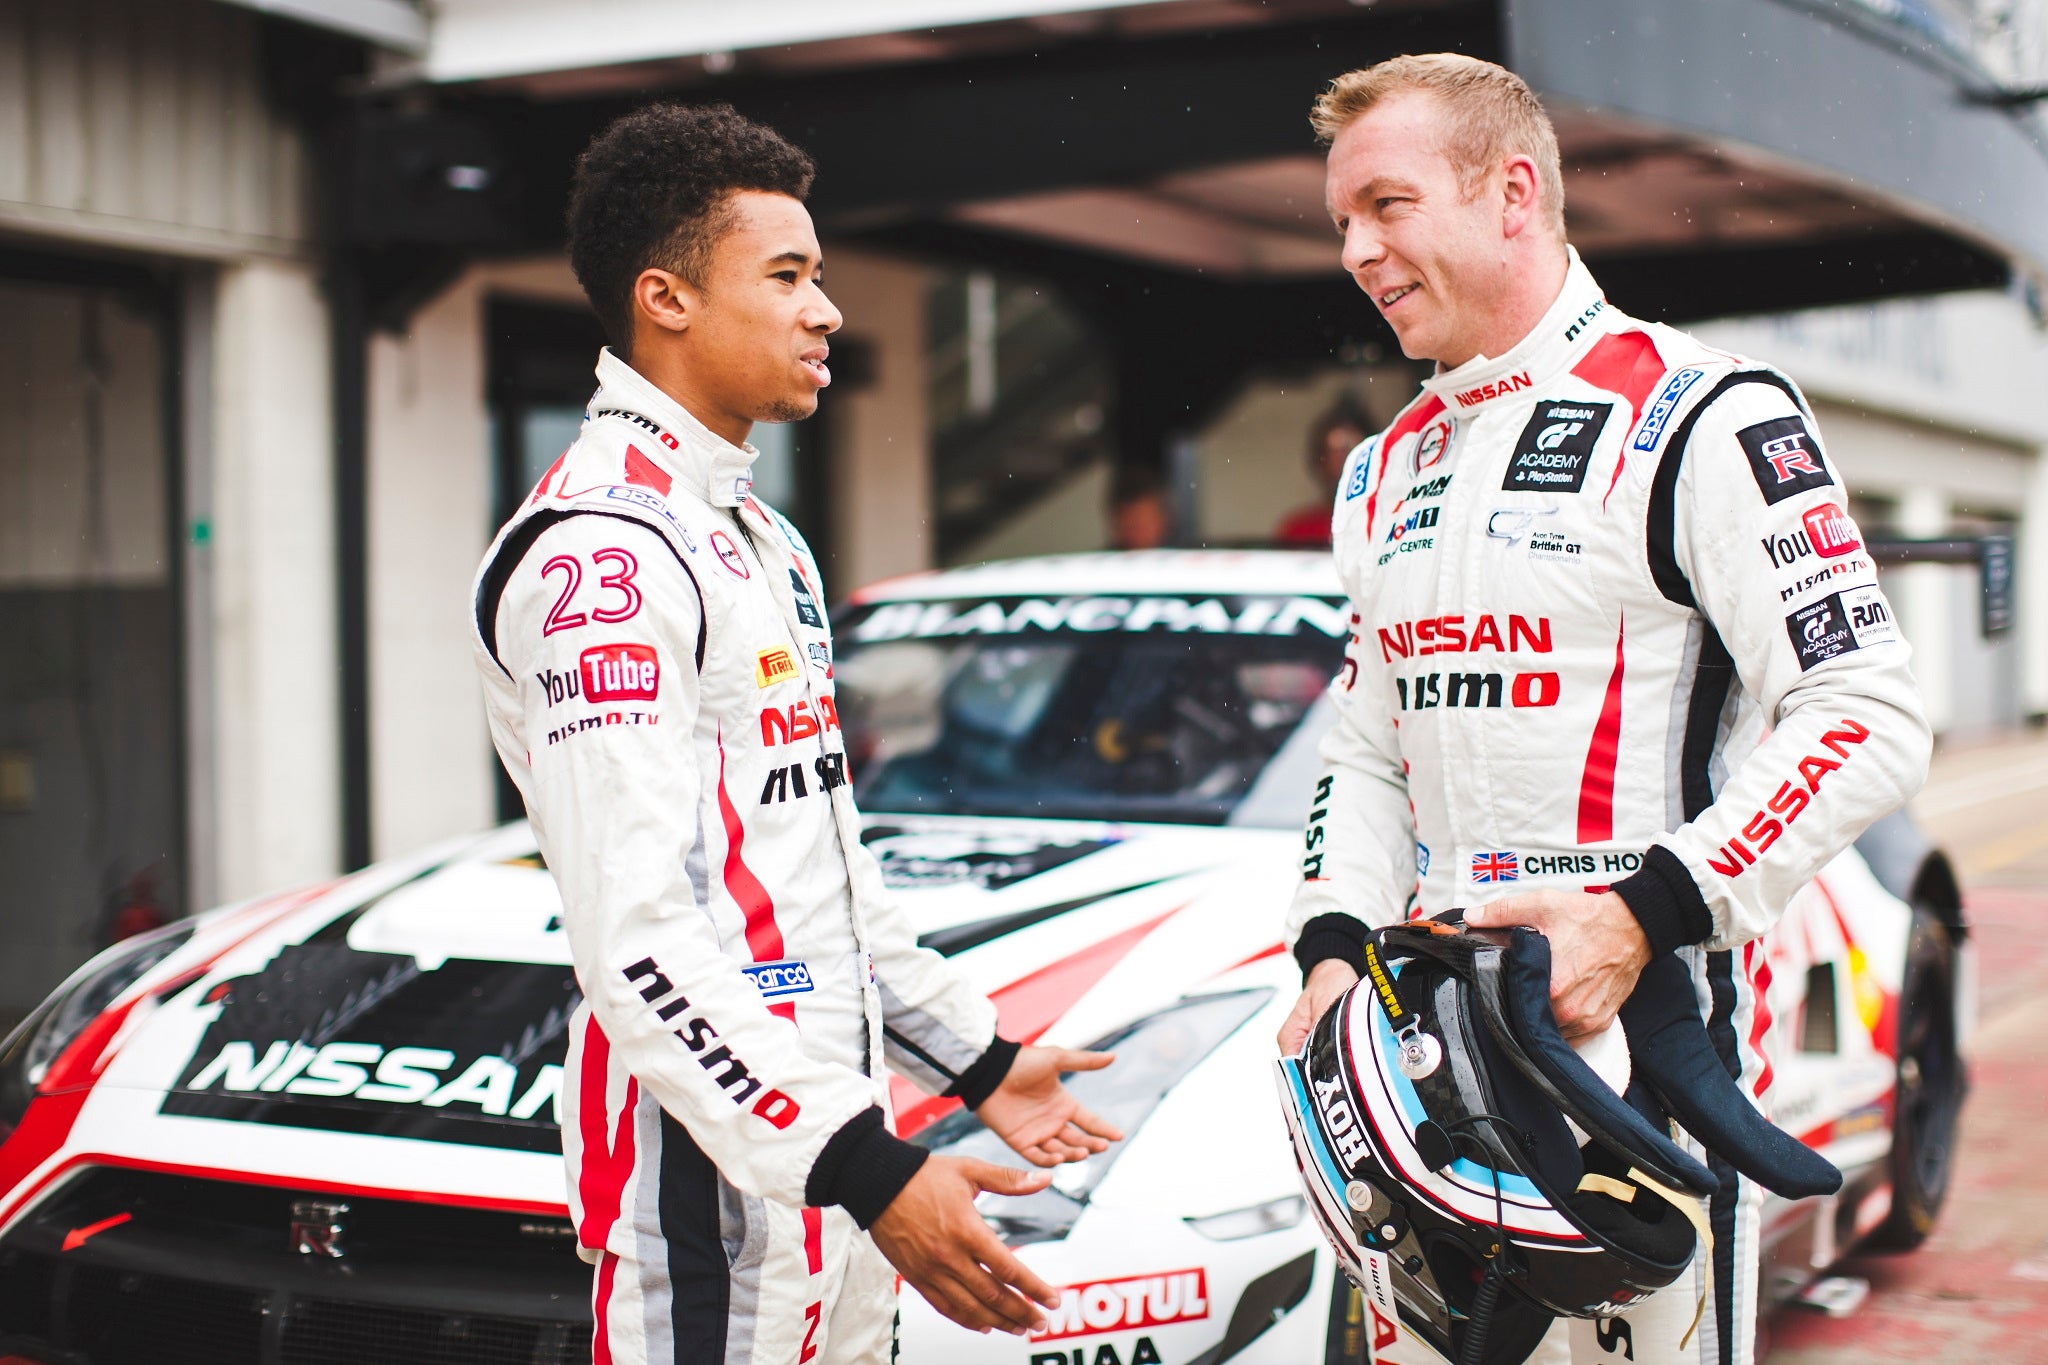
654,190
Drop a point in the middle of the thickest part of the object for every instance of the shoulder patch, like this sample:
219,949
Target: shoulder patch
1361,468
1657,419
1784,458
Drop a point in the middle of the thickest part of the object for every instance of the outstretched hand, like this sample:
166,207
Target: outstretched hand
1039,1117
937,1241
1597,950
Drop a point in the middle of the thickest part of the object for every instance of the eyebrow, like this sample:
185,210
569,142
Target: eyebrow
797,258
1374,187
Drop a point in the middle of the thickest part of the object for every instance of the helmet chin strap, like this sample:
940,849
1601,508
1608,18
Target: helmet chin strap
1688,1209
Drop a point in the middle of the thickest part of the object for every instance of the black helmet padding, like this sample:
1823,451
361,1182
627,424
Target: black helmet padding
1511,972
1670,1050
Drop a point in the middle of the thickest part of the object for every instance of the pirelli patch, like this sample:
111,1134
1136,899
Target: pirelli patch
1785,458
1556,448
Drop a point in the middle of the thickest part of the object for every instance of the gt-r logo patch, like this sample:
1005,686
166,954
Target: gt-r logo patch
772,666
620,673
1556,448
1785,458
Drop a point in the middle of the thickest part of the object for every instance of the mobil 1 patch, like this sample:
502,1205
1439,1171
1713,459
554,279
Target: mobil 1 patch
1855,618
1555,449
1784,457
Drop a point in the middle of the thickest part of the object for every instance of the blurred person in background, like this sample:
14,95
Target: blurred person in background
1140,517
1330,440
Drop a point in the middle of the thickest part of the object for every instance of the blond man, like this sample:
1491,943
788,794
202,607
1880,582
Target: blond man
1583,694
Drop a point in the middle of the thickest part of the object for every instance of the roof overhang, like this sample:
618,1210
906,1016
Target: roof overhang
396,25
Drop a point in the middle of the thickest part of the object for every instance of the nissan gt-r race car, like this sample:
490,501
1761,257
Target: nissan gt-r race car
321,1127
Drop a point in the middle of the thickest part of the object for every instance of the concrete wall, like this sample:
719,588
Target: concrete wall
878,435
432,771
273,628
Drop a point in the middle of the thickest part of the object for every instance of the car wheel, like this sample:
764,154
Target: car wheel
1930,1088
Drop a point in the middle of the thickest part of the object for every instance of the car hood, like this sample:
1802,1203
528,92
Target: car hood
427,1001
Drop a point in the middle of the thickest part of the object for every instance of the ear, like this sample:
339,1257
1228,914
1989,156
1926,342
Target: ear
665,301
1521,196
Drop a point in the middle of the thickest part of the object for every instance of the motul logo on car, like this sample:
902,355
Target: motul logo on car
1493,389
1831,531
620,673
1119,1305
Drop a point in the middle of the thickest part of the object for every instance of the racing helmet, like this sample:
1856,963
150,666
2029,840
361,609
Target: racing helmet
1473,1174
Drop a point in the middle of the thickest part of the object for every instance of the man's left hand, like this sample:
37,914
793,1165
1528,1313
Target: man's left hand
1039,1117
1596,951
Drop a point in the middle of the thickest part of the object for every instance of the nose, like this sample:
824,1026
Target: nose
823,316
1363,248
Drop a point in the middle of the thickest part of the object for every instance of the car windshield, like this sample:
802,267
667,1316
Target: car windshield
1192,709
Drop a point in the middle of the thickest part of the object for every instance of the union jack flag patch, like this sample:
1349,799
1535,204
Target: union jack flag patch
1496,867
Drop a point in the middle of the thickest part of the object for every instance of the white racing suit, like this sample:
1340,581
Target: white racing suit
657,670
1614,629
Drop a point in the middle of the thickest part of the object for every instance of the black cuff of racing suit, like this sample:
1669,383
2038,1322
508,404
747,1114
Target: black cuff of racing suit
863,1167
1666,901
979,1081
1333,935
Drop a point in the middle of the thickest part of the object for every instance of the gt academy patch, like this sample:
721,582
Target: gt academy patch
806,605
1784,457
772,666
1556,448
1853,619
821,656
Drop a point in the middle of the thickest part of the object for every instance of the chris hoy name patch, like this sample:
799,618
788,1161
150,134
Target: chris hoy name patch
1784,457
1556,447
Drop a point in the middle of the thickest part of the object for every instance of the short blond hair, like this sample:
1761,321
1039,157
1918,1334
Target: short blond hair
1493,115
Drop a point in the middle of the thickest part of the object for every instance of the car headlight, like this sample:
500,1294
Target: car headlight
1275,1215
27,1054
1153,1055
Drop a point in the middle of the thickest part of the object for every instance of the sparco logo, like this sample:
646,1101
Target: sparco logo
620,673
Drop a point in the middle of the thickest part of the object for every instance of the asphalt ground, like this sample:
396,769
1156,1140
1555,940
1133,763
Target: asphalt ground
1978,1289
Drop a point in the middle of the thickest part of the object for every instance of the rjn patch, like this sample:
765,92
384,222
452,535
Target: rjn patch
1556,448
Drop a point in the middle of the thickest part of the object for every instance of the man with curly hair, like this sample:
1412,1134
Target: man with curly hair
658,677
